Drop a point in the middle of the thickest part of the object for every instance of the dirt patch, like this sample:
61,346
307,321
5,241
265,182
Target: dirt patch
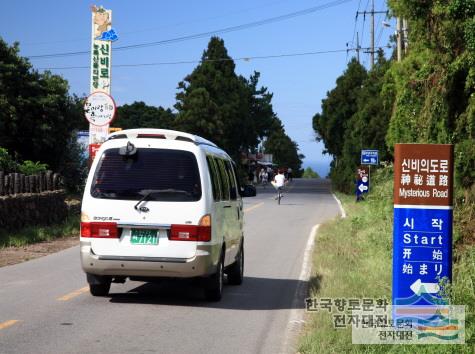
14,255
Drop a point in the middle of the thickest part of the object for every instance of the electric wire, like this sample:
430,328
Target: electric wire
244,58
204,34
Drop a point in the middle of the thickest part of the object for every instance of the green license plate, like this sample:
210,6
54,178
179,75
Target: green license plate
144,237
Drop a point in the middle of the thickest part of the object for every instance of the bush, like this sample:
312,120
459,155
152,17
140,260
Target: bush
7,163
32,168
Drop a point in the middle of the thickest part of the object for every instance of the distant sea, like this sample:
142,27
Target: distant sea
322,167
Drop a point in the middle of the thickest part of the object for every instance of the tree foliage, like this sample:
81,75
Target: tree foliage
37,115
141,115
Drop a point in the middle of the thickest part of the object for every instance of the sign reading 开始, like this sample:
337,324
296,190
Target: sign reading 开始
422,253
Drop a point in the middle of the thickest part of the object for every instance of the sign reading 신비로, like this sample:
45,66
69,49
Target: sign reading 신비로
422,246
99,109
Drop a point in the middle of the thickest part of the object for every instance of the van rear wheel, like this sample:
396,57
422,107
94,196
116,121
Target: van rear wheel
98,285
236,270
214,284
99,289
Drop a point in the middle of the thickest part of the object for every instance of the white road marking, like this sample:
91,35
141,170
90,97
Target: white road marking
296,316
342,211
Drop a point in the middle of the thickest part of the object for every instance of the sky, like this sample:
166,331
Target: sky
298,82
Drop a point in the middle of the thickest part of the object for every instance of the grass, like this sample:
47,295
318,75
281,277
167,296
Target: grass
353,259
34,234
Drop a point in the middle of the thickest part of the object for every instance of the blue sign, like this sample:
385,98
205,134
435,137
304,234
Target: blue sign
362,181
369,157
422,253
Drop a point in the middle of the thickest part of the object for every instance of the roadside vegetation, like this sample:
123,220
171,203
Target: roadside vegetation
34,234
353,259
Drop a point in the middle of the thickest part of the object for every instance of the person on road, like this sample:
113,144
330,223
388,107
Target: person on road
279,181
289,174
263,177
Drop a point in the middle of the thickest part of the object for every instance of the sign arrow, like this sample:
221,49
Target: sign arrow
362,187
418,287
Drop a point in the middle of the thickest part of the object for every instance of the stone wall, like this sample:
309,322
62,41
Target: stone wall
32,209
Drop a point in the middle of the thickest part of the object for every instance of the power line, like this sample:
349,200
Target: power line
204,34
247,58
84,39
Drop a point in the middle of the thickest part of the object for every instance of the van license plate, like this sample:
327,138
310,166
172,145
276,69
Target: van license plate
144,237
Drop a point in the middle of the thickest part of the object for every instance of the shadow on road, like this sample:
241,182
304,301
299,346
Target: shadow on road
253,294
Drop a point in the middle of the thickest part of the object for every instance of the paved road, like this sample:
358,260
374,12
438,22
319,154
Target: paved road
54,313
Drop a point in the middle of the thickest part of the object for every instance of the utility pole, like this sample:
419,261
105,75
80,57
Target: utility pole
357,47
372,35
372,12
399,38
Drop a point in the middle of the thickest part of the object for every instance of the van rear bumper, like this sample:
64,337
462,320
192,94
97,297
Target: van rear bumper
204,263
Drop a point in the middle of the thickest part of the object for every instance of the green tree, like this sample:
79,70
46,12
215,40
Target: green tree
141,115
284,150
309,173
338,107
38,117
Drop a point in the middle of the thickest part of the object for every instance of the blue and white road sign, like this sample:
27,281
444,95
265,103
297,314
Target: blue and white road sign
369,157
422,237
422,254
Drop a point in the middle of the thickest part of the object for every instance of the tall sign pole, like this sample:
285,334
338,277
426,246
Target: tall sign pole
101,61
422,252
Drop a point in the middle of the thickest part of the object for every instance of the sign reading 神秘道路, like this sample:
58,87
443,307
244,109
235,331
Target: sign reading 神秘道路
422,253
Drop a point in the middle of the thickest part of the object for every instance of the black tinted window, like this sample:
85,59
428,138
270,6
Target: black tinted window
156,174
224,179
214,178
232,180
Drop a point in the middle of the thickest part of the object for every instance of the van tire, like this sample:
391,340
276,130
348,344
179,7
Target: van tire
214,284
236,270
98,285
100,289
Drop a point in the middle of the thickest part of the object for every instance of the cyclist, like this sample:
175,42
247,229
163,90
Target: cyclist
279,182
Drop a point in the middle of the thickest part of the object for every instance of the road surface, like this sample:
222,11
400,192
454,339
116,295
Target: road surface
45,305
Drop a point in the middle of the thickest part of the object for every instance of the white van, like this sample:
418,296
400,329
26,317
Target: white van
161,203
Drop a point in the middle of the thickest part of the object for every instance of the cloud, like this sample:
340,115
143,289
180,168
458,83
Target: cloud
108,36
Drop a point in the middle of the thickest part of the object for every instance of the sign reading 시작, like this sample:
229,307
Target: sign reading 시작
422,252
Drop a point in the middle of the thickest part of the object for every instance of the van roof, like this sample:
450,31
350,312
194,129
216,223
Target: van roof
159,134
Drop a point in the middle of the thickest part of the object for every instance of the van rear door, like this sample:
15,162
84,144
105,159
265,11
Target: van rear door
144,194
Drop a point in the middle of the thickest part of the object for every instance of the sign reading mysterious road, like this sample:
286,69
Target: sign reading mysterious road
422,253
369,157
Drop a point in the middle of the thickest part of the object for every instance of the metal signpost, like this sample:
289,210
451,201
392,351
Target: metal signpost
369,157
362,182
422,253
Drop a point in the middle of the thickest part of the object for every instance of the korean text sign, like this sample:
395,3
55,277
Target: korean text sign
422,237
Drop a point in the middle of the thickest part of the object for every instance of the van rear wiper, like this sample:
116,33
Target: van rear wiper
149,192
146,195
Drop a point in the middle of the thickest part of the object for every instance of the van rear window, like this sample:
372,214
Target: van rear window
152,174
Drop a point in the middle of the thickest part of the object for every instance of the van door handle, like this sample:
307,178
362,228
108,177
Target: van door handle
227,206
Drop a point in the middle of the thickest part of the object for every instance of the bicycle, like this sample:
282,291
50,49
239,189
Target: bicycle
279,194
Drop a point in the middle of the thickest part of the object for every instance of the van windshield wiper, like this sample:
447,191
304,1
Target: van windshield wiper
149,192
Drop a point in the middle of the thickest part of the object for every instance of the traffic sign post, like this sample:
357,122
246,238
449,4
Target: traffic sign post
422,238
362,182
369,157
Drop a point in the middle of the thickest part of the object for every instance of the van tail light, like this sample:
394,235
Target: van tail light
200,232
99,229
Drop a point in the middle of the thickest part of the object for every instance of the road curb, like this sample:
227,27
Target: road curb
342,211
296,316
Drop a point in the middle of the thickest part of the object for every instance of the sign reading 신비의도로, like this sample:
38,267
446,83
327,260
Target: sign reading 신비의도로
422,252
